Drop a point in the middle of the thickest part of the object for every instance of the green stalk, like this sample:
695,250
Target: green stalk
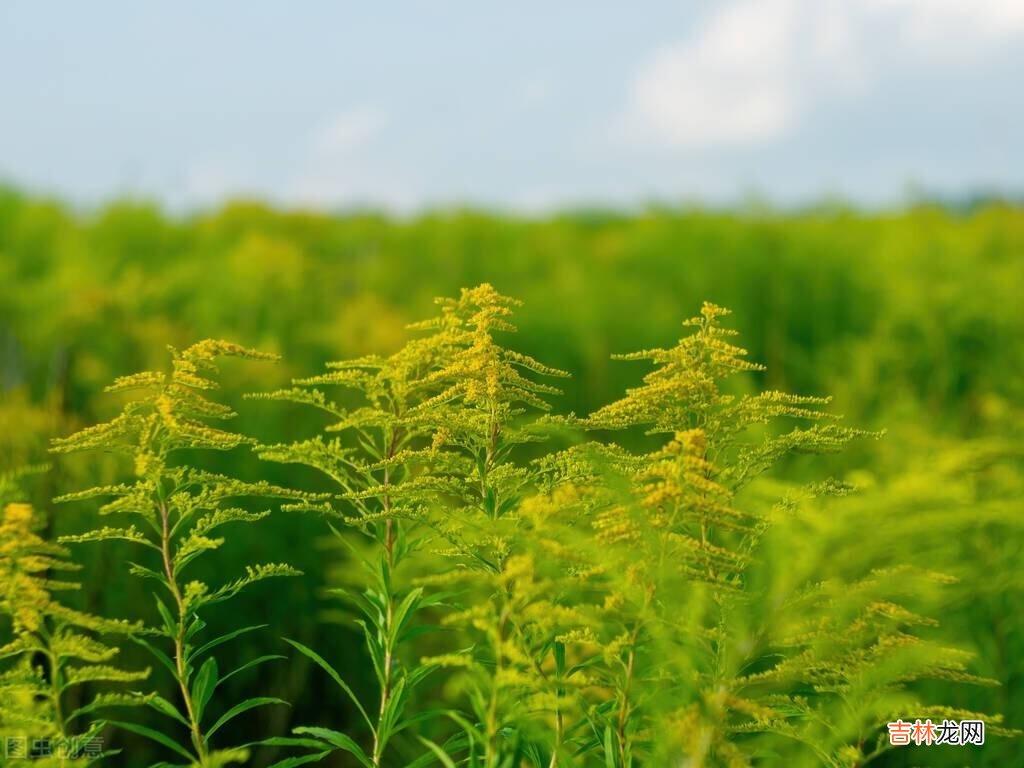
388,634
179,639
56,685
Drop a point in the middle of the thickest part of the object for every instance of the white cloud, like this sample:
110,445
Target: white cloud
754,68
345,164
335,168
743,78
952,28
347,131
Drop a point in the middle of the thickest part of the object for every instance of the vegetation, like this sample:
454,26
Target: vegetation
493,563
53,649
179,508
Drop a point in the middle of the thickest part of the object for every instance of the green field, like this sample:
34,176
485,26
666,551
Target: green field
910,320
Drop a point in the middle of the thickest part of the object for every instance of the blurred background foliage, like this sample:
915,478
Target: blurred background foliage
911,319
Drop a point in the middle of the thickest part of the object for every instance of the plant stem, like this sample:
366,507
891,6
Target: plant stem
55,692
55,697
179,639
389,597
624,708
492,751
559,734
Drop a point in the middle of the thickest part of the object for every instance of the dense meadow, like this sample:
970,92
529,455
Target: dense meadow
660,572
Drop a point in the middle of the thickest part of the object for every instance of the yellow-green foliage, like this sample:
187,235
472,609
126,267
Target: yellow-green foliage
51,648
377,457
178,512
636,587
604,606
435,420
481,419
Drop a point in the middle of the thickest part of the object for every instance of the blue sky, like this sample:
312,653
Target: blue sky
527,106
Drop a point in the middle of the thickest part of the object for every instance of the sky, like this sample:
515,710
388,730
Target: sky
526,106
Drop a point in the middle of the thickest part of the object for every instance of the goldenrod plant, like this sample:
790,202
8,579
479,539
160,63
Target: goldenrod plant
685,540
482,411
377,453
179,512
421,461
52,650
652,591
863,617
703,651
602,605
906,317
671,664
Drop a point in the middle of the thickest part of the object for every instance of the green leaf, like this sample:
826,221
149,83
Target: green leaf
249,664
456,743
472,732
339,740
225,638
392,712
442,756
170,625
409,604
374,648
202,687
241,707
309,652
286,741
159,655
417,675
160,704
420,717
610,759
156,736
222,757
197,626
291,762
